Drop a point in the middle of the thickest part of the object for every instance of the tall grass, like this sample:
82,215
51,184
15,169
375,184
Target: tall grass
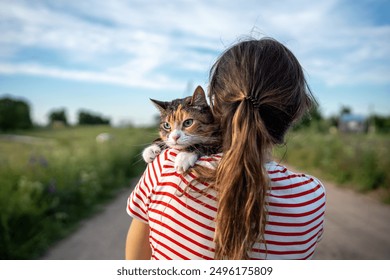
50,182
361,161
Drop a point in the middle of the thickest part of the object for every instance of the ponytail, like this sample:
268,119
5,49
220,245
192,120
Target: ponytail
242,184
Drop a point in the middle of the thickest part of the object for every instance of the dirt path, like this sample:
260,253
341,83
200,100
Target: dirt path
357,227
100,238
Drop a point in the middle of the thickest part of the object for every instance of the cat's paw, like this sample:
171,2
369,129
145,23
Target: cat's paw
185,160
150,153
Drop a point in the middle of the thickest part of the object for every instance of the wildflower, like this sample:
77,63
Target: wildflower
52,187
41,161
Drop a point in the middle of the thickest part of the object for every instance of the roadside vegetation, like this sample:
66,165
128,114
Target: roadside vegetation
352,155
358,161
52,178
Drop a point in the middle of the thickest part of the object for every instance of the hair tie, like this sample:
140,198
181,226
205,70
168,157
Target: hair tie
253,101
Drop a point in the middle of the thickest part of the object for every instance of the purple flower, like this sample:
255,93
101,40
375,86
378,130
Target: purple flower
52,187
41,160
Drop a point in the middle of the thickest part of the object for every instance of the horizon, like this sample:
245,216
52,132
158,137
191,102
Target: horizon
125,123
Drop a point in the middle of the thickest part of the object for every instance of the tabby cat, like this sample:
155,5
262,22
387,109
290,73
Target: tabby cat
187,125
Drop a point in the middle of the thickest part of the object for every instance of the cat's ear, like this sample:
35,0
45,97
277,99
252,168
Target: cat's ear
160,105
199,97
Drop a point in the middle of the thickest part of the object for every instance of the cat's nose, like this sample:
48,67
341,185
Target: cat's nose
175,137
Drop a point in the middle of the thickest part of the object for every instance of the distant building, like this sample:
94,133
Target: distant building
353,123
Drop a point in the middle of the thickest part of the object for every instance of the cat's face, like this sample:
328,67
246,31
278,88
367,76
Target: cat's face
187,121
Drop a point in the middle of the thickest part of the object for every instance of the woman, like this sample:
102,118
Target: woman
239,204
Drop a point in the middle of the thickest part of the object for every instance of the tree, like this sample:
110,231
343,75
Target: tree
313,117
381,123
58,116
14,114
87,118
345,110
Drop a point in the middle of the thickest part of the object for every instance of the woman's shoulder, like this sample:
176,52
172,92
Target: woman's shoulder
169,155
210,161
286,181
278,170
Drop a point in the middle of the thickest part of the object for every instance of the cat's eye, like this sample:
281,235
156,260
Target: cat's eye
166,126
188,123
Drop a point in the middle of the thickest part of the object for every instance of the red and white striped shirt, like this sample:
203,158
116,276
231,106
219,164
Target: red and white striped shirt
182,222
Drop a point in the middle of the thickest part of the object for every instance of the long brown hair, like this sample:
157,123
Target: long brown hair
257,90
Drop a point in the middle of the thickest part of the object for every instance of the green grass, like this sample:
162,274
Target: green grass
360,161
52,181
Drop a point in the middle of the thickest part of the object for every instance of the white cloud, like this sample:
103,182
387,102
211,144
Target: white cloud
141,40
332,46
111,77
358,56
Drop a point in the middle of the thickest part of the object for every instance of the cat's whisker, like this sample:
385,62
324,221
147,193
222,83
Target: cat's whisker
141,145
139,156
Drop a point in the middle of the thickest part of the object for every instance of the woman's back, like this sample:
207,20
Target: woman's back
182,221
257,91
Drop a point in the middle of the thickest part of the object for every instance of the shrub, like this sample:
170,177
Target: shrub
358,160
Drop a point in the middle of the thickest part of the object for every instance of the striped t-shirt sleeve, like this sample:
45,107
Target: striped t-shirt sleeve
139,200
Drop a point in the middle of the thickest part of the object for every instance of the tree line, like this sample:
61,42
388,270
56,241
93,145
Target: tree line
84,118
15,115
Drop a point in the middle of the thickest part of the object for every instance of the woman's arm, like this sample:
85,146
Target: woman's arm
137,242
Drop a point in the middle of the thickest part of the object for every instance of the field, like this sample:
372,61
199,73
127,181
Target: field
51,179
359,161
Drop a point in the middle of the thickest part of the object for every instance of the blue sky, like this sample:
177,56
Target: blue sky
110,57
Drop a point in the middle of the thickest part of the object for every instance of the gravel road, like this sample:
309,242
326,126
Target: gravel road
357,227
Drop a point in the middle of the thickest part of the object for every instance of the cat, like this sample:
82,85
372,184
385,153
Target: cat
188,125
